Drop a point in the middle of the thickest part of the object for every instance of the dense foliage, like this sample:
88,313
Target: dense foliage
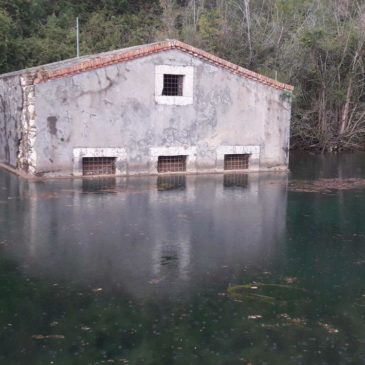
316,45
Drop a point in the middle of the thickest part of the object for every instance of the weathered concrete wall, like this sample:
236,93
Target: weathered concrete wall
11,101
115,107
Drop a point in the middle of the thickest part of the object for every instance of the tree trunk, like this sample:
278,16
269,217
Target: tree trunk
346,109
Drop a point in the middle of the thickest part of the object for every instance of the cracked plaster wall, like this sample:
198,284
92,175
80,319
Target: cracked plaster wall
115,107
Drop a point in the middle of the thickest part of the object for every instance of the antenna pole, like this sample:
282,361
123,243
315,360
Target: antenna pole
194,14
77,38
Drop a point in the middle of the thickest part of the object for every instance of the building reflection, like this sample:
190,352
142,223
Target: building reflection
235,180
146,240
99,185
171,182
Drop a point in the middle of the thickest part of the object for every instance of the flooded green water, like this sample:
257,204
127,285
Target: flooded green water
198,270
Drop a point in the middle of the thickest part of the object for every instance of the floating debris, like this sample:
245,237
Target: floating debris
360,302
328,327
298,321
45,337
360,262
292,321
254,316
266,293
325,185
123,361
155,281
290,280
44,196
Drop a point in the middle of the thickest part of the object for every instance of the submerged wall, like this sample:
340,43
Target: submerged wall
11,101
115,107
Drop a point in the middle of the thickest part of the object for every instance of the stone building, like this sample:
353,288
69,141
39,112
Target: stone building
152,109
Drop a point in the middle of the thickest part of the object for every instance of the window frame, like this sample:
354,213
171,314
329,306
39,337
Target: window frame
233,161
189,152
172,164
253,150
120,155
100,165
187,89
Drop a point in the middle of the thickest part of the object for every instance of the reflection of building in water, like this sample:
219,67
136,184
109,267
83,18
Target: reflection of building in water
235,180
143,235
171,252
171,182
102,185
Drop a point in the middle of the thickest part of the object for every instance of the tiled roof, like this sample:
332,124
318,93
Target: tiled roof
128,54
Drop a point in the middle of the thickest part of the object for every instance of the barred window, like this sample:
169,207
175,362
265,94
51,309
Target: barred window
171,163
173,85
236,161
98,166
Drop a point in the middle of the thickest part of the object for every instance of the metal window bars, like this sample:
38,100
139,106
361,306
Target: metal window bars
173,85
236,161
171,163
98,166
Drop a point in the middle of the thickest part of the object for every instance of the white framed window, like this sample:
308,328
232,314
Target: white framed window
238,157
174,85
99,161
171,163
236,161
175,159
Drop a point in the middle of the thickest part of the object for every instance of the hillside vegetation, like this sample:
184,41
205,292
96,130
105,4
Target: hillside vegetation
315,45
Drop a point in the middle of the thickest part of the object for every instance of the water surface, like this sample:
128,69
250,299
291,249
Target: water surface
233,269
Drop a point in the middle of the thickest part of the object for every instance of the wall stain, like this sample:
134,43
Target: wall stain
52,125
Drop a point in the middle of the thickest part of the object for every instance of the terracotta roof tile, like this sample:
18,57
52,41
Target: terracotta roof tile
130,54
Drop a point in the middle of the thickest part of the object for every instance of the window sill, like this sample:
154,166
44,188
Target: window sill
174,100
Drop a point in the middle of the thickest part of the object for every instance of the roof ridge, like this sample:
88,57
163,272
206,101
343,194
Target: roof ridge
106,60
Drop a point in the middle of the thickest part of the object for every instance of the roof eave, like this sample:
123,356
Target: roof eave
42,75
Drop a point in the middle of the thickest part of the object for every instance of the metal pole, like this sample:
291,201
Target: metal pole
77,38
194,15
